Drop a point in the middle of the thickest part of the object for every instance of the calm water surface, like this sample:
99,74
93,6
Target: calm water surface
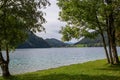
28,60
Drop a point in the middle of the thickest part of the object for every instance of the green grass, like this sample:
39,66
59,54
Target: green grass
93,70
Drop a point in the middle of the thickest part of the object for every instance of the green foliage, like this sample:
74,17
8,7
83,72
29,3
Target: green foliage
70,32
87,15
118,36
55,43
92,15
93,70
13,33
80,45
80,14
17,18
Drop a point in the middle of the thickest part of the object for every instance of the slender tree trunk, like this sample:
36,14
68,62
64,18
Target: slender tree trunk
115,55
112,38
103,39
109,40
114,49
111,33
110,50
105,48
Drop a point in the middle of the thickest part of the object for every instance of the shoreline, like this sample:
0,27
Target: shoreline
67,65
91,70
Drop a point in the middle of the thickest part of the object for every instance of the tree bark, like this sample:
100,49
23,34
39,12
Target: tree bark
108,30
110,50
5,69
111,34
114,49
116,59
105,48
111,28
103,38
1,56
4,65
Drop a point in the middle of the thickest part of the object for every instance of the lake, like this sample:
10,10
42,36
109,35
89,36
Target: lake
28,60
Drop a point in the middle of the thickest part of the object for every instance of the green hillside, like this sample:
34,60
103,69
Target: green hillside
55,43
34,41
88,42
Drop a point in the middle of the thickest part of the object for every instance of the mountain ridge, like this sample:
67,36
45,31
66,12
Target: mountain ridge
96,42
34,41
55,42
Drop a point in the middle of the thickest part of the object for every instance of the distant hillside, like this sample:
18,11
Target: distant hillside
34,41
55,43
88,42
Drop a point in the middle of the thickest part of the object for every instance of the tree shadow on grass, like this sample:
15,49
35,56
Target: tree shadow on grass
115,67
63,77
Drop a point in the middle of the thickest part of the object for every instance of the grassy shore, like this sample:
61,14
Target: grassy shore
93,70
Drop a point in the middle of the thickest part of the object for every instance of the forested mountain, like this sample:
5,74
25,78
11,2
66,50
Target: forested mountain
55,43
88,42
34,41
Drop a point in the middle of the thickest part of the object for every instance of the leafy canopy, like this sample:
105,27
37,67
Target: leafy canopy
86,15
17,18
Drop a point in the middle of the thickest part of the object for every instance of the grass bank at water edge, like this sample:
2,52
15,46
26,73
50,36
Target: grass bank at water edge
93,70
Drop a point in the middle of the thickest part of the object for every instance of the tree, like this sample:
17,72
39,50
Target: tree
112,13
17,18
87,16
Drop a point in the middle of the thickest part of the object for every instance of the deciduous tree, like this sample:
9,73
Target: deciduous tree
91,15
16,18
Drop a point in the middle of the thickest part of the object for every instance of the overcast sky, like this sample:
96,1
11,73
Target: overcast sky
53,25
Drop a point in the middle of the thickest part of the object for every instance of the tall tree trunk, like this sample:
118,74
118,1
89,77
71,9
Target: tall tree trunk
115,55
110,50
103,38
111,33
109,38
112,38
114,49
5,69
105,48
4,65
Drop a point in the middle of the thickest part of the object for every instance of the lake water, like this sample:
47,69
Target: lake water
28,60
